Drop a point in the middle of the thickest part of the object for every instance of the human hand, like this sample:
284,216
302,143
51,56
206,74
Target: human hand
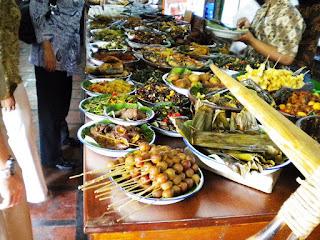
243,23
8,104
246,38
11,190
49,57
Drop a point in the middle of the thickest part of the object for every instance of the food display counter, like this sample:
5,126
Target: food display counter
222,209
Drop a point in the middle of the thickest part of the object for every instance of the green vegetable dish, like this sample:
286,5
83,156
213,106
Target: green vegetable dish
96,105
146,75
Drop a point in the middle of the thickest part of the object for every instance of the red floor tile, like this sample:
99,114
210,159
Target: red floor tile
61,207
54,233
74,117
76,94
74,105
55,177
54,219
76,84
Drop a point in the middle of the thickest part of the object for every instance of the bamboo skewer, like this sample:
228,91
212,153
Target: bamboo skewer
115,204
298,146
96,171
124,217
94,186
103,177
90,172
126,183
119,194
138,195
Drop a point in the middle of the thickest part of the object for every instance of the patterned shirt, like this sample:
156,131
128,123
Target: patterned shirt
282,28
62,30
9,48
308,45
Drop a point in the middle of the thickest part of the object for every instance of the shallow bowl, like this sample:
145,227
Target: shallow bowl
83,130
112,108
166,201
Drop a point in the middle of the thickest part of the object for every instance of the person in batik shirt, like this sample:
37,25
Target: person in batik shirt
275,32
310,11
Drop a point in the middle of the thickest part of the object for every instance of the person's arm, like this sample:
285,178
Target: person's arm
11,188
8,104
265,49
49,57
44,31
9,50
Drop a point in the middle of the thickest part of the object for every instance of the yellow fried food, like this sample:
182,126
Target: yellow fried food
118,86
199,49
273,79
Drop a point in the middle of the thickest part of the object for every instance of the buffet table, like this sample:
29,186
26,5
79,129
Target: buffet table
222,209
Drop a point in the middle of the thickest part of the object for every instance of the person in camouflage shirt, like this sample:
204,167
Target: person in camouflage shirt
275,32
15,106
9,49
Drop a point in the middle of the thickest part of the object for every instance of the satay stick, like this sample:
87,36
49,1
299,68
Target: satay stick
138,195
119,194
124,217
94,186
90,172
121,200
133,201
112,205
98,179
109,184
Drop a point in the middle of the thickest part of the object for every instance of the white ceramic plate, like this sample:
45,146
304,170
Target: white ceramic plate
184,91
124,122
227,34
104,151
104,45
97,61
126,63
93,117
166,201
218,164
165,132
109,10
141,45
97,80
90,76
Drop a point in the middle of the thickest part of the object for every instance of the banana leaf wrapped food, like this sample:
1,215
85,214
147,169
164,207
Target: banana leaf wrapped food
239,140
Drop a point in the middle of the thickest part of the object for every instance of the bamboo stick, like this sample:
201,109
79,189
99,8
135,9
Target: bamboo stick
299,147
117,203
90,172
124,217
94,186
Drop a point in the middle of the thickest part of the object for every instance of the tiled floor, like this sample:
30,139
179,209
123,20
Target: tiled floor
60,217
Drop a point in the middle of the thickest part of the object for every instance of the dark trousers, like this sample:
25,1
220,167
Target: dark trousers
54,94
